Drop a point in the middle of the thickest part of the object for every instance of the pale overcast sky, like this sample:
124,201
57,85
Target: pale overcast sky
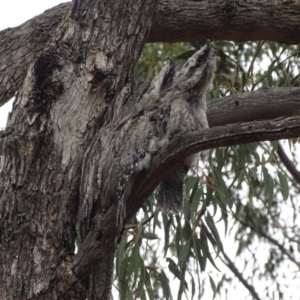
14,13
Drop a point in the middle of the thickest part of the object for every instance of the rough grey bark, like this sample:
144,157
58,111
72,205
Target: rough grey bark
68,94
262,104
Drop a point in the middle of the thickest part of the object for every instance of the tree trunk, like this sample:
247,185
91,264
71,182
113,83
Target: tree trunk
69,93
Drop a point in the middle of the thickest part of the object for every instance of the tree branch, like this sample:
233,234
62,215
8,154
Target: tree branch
272,241
175,21
227,262
178,21
288,163
214,137
182,282
263,104
101,238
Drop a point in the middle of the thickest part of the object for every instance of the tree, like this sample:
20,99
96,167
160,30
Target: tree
69,67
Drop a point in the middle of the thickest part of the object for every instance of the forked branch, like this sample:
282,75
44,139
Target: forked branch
95,246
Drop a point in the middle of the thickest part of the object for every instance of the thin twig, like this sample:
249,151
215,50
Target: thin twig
250,70
277,66
132,226
288,163
230,264
273,241
182,281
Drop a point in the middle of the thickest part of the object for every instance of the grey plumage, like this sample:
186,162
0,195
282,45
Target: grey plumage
174,103
187,112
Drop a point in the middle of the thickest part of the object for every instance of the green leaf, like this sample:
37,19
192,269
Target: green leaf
211,224
165,285
178,239
142,296
186,55
193,286
220,159
123,279
148,285
173,268
269,73
295,81
219,203
185,254
150,236
212,284
197,246
135,262
229,77
284,187
187,210
208,255
269,187
191,186
223,44
244,79
225,219
121,254
196,200
140,287
167,223
222,189
207,199
205,249
187,231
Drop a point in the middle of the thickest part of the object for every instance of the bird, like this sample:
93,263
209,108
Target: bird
186,112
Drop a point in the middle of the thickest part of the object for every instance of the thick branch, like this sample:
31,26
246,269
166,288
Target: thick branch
175,21
101,238
262,104
178,21
193,142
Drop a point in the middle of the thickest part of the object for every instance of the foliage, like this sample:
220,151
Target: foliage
242,191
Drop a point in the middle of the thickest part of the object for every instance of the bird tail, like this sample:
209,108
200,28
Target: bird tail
170,195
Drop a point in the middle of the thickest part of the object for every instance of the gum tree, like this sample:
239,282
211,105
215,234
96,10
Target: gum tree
69,69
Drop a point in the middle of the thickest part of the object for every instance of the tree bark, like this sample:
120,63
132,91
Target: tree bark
68,94
175,21
263,104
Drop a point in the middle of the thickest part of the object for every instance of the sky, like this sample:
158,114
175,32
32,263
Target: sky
14,13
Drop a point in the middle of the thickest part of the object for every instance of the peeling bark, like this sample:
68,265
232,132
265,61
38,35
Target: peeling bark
68,93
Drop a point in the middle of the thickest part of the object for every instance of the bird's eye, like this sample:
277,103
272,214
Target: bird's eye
200,59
